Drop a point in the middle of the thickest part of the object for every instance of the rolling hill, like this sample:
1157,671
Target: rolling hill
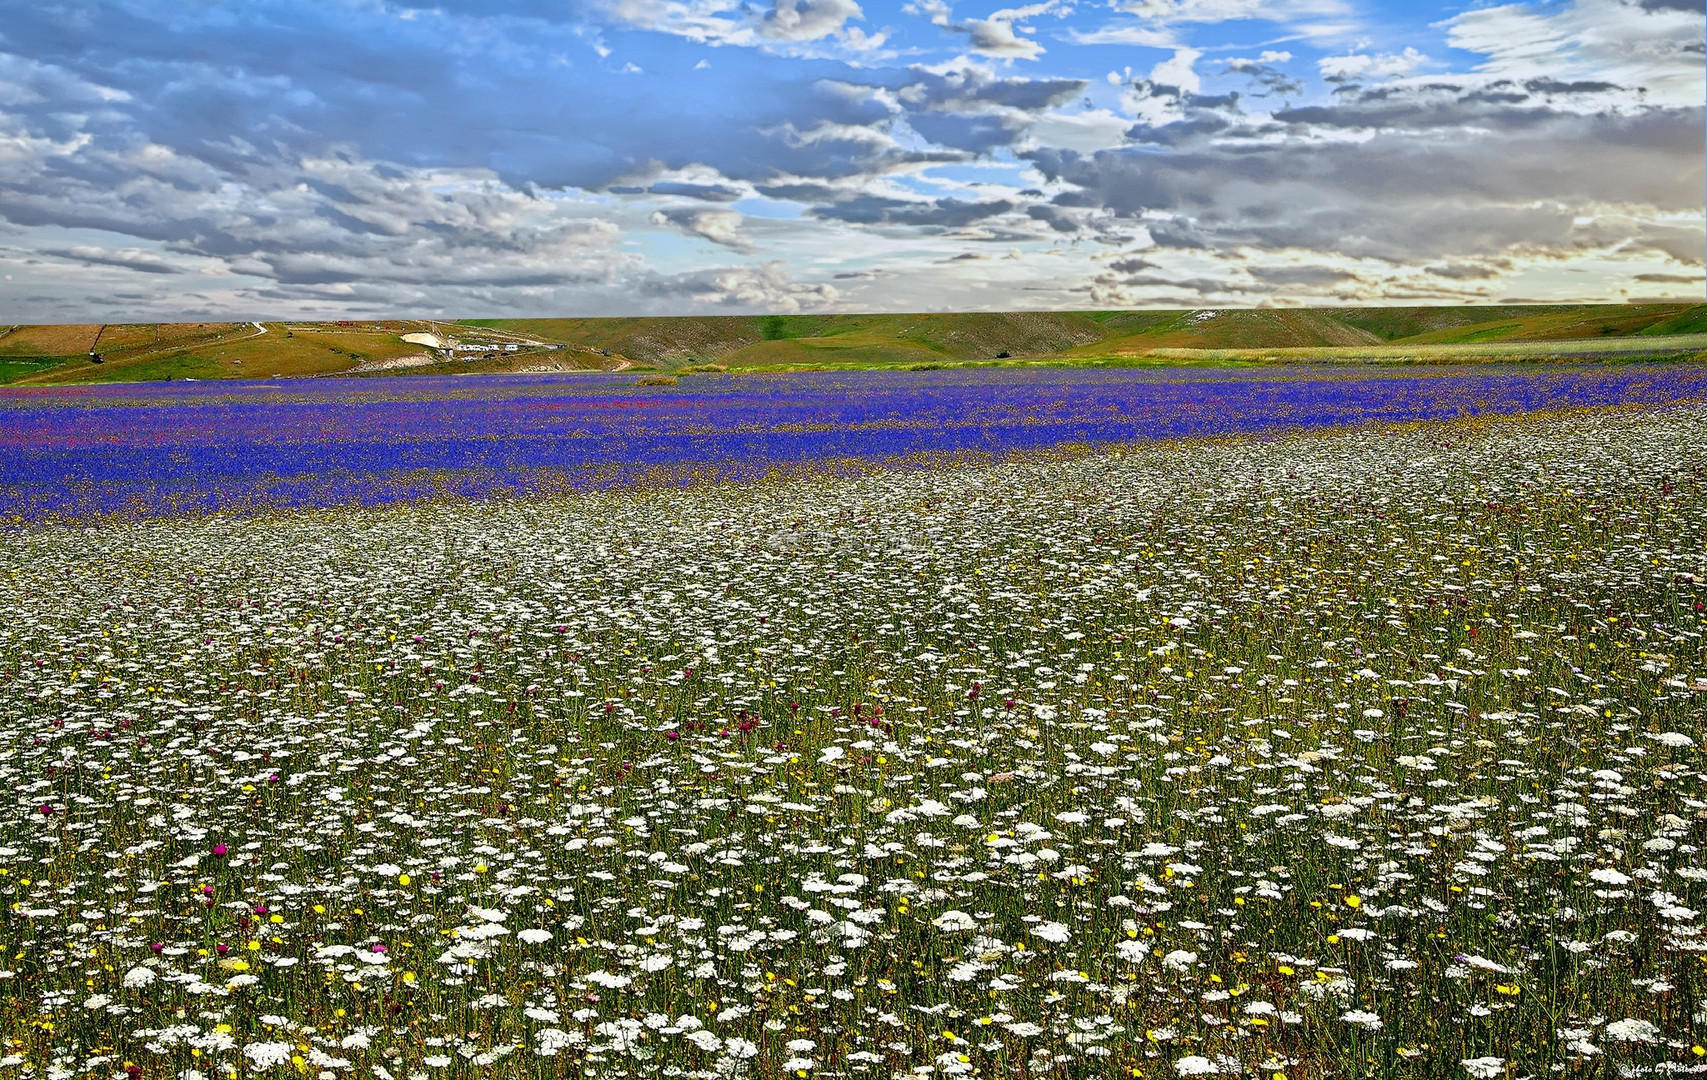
832,340
39,355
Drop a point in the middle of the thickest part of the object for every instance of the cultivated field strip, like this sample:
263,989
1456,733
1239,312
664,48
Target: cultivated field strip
1363,753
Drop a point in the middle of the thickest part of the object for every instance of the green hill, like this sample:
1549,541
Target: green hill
816,339
1423,325
831,340
1295,328
140,352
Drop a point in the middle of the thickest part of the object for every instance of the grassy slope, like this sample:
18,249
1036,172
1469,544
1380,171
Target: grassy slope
58,354
1262,329
835,340
1415,326
642,340
235,356
815,339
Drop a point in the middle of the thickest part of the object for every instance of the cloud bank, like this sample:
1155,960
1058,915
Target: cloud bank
338,157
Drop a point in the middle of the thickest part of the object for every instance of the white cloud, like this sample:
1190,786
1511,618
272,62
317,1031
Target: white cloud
764,288
1656,48
808,20
1215,11
1177,71
1269,56
788,23
1125,34
1541,171
935,11
705,21
721,227
995,37
1363,66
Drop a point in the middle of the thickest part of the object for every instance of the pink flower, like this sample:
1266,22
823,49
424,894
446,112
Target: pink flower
219,849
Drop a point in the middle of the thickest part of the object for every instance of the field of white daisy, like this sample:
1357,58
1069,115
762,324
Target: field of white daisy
1369,753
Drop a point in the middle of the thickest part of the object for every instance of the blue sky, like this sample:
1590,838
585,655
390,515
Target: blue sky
166,159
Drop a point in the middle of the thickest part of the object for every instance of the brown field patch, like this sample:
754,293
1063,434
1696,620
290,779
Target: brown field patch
65,340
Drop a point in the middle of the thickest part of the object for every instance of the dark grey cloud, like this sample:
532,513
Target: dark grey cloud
1581,86
1181,235
1274,81
1672,279
708,192
1681,243
801,191
1505,104
936,213
125,259
1314,276
1469,271
1131,265
1193,117
1201,285
1054,217
974,111
1397,197
1418,115
972,89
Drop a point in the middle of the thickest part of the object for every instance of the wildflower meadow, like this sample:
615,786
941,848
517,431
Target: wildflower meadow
1343,752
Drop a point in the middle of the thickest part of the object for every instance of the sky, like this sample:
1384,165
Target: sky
183,159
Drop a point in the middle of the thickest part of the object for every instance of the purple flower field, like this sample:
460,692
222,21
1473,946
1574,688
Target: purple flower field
149,449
